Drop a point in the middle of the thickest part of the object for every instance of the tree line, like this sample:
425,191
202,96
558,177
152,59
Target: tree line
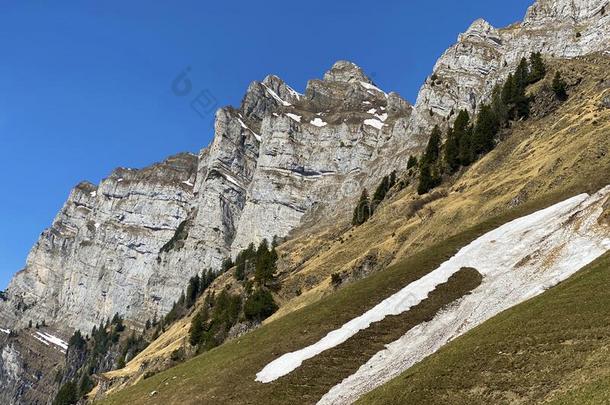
470,138
254,268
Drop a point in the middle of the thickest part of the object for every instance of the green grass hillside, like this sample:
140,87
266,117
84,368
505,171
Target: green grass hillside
554,348
226,374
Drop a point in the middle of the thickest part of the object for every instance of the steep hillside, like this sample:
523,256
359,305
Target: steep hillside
551,349
555,154
226,374
288,168
131,244
566,150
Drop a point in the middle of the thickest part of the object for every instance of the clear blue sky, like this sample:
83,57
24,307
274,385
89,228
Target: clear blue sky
86,86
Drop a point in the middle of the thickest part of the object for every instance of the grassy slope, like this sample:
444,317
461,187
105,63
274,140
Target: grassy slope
226,374
539,350
542,162
568,149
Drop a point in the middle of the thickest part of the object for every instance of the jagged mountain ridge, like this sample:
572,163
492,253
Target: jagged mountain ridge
130,244
466,73
227,190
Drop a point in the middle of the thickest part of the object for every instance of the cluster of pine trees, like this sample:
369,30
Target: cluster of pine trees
94,350
468,139
195,288
213,321
255,268
107,337
366,206
259,261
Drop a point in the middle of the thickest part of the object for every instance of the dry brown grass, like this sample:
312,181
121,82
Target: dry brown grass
565,152
543,159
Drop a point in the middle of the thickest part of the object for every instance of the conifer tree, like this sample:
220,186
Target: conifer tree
67,394
192,291
458,139
537,67
412,162
434,145
560,87
362,212
380,192
265,264
485,130
498,106
196,331
522,74
452,151
426,181
392,179
509,90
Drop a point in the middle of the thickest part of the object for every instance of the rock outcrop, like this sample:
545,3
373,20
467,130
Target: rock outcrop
465,75
280,161
129,245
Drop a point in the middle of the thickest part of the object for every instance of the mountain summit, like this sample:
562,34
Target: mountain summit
266,227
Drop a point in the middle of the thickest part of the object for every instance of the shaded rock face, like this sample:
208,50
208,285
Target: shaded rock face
129,245
103,243
466,73
28,369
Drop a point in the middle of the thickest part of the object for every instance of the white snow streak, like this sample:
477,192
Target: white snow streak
47,338
41,340
318,122
374,123
188,183
244,126
295,117
276,97
369,86
231,179
542,235
295,93
518,261
7,331
382,117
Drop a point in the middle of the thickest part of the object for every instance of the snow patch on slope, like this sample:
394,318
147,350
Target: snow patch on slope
48,339
318,122
375,123
518,261
561,239
369,86
244,126
276,97
295,117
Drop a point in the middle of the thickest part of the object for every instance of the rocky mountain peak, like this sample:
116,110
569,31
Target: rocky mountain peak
571,11
345,71
264,97
479,28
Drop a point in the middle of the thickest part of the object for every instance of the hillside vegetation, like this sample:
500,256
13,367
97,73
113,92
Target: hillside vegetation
541,350
562,150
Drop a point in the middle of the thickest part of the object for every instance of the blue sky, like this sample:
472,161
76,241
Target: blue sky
86,86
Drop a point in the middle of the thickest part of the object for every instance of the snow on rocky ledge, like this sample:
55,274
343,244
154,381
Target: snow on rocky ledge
49,339
518,261
318,122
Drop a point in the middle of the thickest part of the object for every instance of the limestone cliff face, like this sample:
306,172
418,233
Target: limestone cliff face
130,244
103,243
464,76
279,161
